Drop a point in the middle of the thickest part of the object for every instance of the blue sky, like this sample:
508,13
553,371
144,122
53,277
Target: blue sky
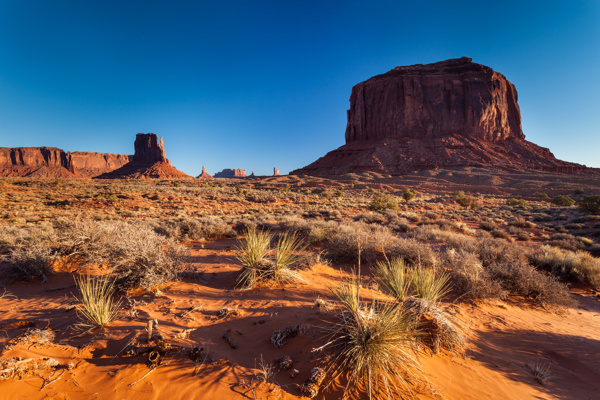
263,84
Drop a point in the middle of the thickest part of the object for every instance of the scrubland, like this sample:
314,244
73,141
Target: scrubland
288,287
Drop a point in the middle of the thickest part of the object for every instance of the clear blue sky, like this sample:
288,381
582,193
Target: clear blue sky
263,84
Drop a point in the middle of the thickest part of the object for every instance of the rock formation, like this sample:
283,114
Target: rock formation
204,174
452,113
231,173
149,161
275,172
89,164
36,162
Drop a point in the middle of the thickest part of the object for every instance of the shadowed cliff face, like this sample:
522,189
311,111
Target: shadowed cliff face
147,149
453,113
454,97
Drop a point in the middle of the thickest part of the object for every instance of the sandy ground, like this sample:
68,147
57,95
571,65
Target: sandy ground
506,339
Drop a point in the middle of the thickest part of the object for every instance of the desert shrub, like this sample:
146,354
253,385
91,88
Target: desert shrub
500,234
470,277
132,249
563,201
194,229
487,225
261,265
354,238
97,305
579,191
409,194
30,261
383,201
428,285
590,204
523,279
371,218
516,202
413,252
372,344
521,223
568,264
401,226
392,277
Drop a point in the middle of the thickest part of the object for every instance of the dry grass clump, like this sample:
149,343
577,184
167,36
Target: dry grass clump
372,344
568,264
353,238
261,264
97,305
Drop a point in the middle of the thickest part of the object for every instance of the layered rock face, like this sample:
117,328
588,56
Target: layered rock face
231,173
39,162
149,161
452,113
89,164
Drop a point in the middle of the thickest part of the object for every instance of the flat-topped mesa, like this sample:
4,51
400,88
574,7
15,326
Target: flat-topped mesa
41,162
148,150
453,97
231,173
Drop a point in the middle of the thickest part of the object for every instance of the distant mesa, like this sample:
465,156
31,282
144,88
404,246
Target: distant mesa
149,161
51,162
204,174
231,173
448,114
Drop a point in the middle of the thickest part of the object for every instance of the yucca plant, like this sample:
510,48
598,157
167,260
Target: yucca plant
254,250
97,305
373,346
392,276
262,266
427,285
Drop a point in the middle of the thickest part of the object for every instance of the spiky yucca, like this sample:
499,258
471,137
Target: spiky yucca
97,305
372,345
426,284
392,276
261,266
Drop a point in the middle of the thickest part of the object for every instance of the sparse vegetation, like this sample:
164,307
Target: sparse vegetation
383,201
563,201
97,305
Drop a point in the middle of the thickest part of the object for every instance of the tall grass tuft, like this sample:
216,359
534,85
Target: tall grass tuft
98,307
373,346
427,285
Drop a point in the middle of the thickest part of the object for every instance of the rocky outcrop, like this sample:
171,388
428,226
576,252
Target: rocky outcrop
275,172
204,174
231,173
148,150
38,162
149,161
452,113
89,164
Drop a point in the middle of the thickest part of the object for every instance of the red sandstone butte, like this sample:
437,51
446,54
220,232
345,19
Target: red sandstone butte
149,161
452,113
231,173
204,174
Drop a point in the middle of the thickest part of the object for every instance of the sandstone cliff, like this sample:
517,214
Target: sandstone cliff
452,113
38,162
89,164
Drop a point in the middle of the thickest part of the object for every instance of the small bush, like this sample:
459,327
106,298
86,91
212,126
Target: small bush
383,201
516,202
563,201
568,264
31,261
409,194
590,204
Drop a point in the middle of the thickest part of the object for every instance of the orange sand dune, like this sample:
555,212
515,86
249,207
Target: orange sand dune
505,338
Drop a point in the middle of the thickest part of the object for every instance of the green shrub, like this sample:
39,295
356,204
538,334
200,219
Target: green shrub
590,204
563,201
383,201
409,194
516,202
